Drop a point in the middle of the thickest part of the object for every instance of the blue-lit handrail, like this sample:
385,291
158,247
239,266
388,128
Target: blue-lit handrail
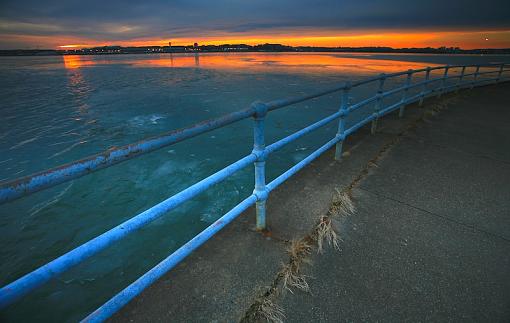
30,184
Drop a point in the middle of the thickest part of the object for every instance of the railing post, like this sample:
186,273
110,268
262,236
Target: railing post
445,77
404,93
459,84
424,86
475,77
341,122
500,72
260,164
378,102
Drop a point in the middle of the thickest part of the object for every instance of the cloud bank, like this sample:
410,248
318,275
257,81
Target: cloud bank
116,21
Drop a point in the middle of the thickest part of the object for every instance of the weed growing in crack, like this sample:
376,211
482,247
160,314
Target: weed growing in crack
325,232
299,249
342,204
270,311
293,279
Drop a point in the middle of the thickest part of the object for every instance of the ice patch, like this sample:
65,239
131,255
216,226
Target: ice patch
297,157
166,169
154,118
43,205
219,204
145,120
67,149
5,161
24,142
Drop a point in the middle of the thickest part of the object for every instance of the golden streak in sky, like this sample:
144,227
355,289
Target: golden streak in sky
72,46
462,39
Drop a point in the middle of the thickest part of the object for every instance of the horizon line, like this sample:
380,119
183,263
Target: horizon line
84,47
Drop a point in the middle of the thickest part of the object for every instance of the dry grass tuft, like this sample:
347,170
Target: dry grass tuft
299,249
326,232
342,204
292,278
439,106
372,164
270,311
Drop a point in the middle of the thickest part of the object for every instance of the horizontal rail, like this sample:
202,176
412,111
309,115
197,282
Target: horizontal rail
361,104
396,74
286,175
278,104
282,142
358,125
27,185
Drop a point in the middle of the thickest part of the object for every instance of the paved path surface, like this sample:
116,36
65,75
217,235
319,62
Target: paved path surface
430,239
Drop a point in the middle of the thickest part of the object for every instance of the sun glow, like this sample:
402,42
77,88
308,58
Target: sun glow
72,46
462,39
369,38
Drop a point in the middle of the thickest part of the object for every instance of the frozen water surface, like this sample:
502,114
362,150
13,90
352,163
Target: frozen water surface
57,109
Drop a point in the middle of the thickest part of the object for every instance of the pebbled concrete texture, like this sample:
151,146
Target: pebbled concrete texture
430,239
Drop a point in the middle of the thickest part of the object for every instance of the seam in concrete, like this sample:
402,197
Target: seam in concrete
465,152
444,217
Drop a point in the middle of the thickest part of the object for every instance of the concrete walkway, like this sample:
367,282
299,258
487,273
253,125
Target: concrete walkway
429,241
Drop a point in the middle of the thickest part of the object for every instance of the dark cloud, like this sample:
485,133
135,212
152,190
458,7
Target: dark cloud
115,20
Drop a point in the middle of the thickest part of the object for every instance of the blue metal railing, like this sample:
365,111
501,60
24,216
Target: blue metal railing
18,188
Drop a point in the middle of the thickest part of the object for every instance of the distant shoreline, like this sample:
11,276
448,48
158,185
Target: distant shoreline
227,48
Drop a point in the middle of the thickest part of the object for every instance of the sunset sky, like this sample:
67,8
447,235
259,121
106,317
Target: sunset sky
396,23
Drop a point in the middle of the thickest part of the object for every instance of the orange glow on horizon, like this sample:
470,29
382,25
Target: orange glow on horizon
465,40
462,39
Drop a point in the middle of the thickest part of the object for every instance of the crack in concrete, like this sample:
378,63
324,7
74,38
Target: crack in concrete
275,290
464,152
444,217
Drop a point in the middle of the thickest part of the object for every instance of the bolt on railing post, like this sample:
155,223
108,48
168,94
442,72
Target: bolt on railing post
475,77
443,84
459,84
404,93
378,102
500,72
341,122
260,164
424,86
